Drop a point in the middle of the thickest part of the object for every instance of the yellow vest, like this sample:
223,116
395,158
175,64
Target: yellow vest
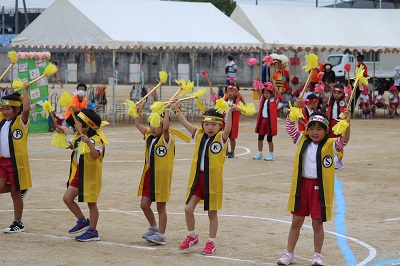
90,171
325,176
213,167
160,166
17,140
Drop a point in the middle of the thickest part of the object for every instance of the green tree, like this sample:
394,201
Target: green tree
226,6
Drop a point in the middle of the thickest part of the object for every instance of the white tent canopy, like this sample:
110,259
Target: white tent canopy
134,24
332,29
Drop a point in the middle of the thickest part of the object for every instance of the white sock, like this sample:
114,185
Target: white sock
192,233
211,240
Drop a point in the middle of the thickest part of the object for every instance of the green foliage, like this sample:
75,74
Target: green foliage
226,6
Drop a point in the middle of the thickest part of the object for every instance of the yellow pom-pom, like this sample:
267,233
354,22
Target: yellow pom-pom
250,109
83,148
163,76
17,84
154,119
60,141
241,107
340,127
13,56
40,55
181,82
221,105
295,113
157,107
311,62
360,77
132,108
47,108
50,69
65,99
187,87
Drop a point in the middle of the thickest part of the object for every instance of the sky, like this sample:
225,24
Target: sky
304,3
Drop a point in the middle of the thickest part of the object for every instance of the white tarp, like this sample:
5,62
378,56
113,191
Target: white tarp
134,24
332,29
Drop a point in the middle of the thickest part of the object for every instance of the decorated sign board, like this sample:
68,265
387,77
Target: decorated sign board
30,66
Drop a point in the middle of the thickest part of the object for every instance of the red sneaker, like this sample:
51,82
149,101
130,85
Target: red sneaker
209,249
189,242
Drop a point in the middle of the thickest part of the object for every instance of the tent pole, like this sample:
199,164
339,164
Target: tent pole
113,90
211,67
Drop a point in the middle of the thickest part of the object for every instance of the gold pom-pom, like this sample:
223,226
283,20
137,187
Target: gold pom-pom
200,93
187,87
157,107
154,119
17,84
60,141
65,99
340,127
50,69
47,108
163,76
250,109
221,105
132,108
181,82
295,113
83,148
360,76
13,56
311,62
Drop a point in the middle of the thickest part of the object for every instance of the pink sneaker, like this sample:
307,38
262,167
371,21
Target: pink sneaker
286,259
209,249
189,242
317,259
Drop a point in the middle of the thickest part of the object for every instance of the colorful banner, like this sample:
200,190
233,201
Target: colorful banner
30,66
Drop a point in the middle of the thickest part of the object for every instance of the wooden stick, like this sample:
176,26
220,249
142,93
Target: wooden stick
54,120
352,95
257,73
209,83
181,100
5,72
148,94
36,79
78,128
348,78
306,85
176,93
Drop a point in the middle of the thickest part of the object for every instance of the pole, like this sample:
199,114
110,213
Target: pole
316,3
113,91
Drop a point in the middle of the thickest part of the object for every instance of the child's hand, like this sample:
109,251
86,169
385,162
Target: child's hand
60,130
175,104
26,85
233,108
85,138
298,103
347,114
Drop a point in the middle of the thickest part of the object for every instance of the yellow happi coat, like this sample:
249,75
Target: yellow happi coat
17,140
90,171
325,176
214,159
160,166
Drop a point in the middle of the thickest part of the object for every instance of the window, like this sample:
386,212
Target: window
369,56
335,60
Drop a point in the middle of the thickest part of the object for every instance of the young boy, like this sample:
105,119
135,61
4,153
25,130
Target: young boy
233,98
205,181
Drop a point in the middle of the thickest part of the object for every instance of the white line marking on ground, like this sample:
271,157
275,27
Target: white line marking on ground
371,256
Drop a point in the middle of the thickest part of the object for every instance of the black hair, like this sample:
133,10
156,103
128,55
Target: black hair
82,85
312,96
230,58
314,123
90,114
213,112
360,56
337,85
15,96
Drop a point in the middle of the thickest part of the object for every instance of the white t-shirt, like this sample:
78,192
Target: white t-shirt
99,147
203,153
4,144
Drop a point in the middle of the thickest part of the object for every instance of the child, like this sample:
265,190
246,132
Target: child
379,101
308,109
393,101
205,181
312,188
364,103
155,184
336,105
233,98
85,179
15,175
267,120
55,78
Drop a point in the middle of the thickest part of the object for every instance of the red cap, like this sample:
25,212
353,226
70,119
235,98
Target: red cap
393,88
338,88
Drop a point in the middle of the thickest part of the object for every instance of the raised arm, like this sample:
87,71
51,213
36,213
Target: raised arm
166,125
228,124
26,104
138,120
181,118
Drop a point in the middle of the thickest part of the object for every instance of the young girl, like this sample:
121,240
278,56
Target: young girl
336,105
364,103
232,98
308,109
267,120
312,188
393,101
15,175
155,184
205,181
85,179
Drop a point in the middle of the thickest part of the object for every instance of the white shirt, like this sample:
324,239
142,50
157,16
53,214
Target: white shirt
265,108
203,153
99,147
167,144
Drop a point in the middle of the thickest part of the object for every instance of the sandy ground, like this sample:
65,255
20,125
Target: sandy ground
253,223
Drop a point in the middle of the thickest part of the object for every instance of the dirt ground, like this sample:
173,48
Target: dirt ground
253,223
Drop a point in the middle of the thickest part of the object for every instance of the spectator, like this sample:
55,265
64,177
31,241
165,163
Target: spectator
329,74
230,70
78,101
